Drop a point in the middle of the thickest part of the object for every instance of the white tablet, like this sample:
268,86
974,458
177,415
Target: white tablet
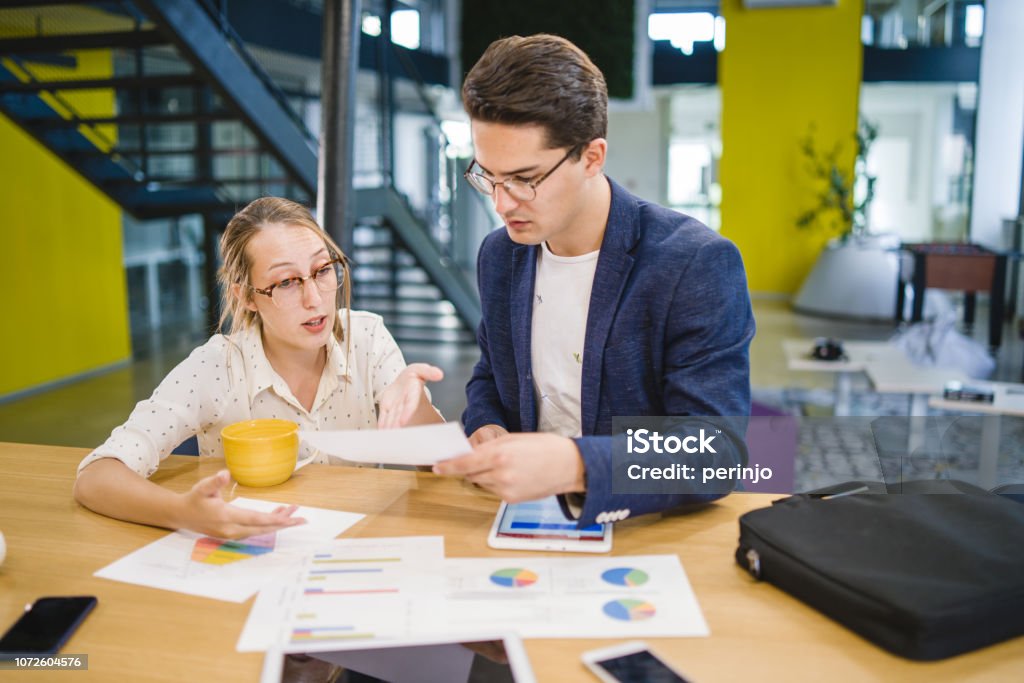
425,660
541,525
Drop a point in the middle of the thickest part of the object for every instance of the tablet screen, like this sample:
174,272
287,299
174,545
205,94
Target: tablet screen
482,661
544,519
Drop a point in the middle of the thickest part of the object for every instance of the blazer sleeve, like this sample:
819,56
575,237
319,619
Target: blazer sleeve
706,373
483,402
483,405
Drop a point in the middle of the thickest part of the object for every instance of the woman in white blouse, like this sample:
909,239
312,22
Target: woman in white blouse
294,351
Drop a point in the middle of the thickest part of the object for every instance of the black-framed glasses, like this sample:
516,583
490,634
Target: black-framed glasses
519,189
287,293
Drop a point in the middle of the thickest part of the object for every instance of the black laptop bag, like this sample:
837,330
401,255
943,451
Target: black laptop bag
924,576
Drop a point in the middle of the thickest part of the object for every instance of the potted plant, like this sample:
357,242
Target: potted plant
842,199
856,274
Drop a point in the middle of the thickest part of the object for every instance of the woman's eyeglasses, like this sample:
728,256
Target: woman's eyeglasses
288,292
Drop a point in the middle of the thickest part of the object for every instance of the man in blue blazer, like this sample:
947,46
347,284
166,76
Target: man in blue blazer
596,303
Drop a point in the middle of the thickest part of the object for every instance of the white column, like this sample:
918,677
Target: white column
194,287
635,147
153,291
1000,132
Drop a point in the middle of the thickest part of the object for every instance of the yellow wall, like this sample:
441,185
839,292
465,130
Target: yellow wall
65,306
781,71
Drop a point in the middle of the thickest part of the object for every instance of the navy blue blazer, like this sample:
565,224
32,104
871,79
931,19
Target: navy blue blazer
668,333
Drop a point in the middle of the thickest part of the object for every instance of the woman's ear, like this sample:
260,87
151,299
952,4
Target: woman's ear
243,296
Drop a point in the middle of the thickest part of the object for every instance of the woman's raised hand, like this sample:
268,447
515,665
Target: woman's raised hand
401,400
204,510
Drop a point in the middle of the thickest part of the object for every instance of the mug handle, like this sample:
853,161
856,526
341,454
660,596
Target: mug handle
305,461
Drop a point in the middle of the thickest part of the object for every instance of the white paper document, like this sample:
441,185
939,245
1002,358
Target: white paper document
416,594
640,596
424,445
233,571
348,592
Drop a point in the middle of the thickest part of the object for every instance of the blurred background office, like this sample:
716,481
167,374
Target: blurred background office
822,137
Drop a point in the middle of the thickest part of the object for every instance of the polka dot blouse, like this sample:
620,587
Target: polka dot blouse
228,379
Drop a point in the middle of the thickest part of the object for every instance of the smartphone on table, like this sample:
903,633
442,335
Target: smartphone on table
631,662
46,626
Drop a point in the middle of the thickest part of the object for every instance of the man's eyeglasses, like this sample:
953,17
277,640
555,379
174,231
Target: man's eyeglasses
288,292
519,189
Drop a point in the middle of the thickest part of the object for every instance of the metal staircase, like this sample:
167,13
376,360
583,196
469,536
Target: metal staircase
189,123
388,282
192,127
419,301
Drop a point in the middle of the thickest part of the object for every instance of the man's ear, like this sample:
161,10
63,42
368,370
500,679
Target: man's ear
594,155
243,296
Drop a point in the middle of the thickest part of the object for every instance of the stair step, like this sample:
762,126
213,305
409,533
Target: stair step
379,275
383,305
381,241
372,254
406,292
377,293
385,254
422,321
383,257
369,235
431,336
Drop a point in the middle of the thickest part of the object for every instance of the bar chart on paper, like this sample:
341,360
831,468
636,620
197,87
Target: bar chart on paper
379,589
331,574
351,591
356,591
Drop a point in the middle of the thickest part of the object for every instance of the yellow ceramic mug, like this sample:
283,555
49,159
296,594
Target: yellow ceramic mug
261,452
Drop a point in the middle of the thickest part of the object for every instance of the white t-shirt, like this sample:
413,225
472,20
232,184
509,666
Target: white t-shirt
229,379
561,300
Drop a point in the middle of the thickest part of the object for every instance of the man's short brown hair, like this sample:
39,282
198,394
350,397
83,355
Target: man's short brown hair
540,80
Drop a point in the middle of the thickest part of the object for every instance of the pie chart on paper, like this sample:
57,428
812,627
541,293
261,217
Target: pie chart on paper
514,577
625,576
629,610
208,550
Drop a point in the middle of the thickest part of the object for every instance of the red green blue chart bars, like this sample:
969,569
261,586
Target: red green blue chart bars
208,550
628,609
625,576
337,575
514,577
330,575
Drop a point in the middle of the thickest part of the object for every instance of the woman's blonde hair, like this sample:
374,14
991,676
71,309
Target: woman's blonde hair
236,263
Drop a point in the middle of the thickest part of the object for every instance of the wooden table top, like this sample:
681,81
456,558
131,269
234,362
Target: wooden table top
139,634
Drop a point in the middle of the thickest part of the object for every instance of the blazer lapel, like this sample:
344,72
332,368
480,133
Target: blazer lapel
524,270
614,265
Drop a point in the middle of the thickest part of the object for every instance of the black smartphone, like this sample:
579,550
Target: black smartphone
46,625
